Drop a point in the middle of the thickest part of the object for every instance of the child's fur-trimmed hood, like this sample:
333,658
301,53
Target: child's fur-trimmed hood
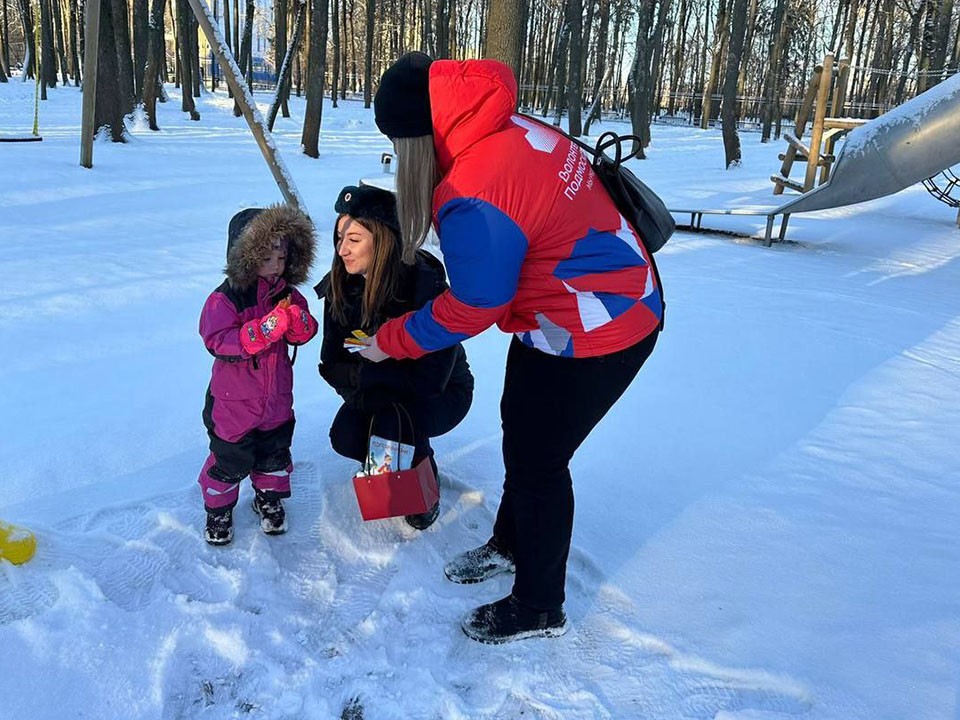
254,231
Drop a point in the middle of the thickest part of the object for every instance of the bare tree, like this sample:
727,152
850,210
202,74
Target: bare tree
110,103
368,54
186,61
310,139
151,74
731,138
335,78
574,77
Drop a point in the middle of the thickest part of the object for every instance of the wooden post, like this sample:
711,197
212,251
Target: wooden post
234,78
803,114
816,133
91,32
836,110
840,89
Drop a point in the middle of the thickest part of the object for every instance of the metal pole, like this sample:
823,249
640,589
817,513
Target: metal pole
233,76
90,50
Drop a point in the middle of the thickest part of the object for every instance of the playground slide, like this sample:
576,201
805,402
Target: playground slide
896,150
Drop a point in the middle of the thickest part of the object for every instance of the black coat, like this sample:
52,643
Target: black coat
370,386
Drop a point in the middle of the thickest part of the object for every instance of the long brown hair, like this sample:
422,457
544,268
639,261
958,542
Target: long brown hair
417,176
382,277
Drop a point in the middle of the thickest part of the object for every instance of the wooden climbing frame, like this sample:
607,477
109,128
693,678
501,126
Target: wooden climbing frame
818,153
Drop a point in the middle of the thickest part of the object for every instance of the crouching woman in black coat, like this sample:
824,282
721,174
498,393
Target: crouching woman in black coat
368,285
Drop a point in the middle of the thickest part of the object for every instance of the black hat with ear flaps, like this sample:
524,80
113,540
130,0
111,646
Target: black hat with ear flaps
370,203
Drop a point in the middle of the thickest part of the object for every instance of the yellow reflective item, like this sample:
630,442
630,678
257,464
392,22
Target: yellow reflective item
16,544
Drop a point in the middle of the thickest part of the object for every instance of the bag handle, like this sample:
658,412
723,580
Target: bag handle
611,139
606,140
397,408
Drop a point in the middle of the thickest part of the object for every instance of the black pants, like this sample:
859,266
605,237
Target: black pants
431,417
549,406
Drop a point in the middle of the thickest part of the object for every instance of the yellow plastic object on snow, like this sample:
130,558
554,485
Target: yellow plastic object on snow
16,544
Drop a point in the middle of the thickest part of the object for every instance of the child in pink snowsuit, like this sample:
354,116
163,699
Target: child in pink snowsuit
247,325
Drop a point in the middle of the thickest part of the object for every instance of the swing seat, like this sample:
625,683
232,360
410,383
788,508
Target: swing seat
26,138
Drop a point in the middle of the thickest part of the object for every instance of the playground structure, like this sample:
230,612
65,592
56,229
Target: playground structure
819,152
915,142
949,194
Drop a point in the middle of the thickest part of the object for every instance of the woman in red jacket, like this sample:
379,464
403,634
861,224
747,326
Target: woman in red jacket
533,243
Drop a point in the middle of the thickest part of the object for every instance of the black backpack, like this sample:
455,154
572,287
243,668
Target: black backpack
640,205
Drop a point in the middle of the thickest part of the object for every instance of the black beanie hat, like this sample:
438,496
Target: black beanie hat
402,103
371,203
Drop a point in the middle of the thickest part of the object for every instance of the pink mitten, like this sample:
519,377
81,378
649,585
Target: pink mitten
257,335
302,324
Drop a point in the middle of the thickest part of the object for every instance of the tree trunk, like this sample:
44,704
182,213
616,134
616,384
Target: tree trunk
121,31
246,52
443,29
48,59
504,41
186,63
368,54
574,76
638,81
280,49
602,68
155,51
283,77
679,50
27,23
58,36
335,76
771,84
941,43
731,138
194,26
110,103
141,40
347,46
656,62
720,44
75,44
5,44
310,140
928,9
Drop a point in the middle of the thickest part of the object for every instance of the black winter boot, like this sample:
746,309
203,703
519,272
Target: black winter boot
219,530
479,564
273,518
425,520
508,619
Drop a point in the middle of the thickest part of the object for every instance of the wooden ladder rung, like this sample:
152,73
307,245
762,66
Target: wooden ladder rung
787,182
843,123
797,144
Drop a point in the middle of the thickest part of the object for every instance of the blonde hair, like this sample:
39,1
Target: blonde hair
382,277
417,176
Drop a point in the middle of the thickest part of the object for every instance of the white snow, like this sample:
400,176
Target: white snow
768,523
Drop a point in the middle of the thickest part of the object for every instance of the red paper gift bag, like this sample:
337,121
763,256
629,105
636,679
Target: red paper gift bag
402,492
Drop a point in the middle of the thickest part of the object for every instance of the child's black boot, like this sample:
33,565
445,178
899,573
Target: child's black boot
219,530
273,519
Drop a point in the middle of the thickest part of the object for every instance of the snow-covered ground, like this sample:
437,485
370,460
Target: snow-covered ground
768,523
